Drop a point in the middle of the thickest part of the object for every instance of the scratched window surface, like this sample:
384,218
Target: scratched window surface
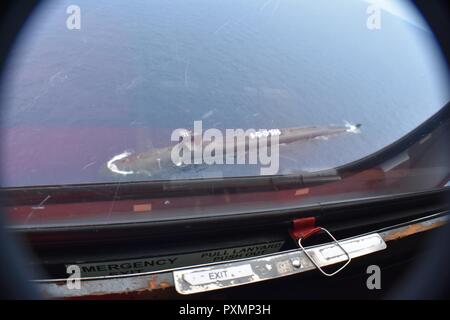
86,104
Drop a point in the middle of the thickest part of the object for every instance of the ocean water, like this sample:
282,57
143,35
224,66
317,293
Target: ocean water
138,69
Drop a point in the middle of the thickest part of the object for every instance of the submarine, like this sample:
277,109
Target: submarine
157,160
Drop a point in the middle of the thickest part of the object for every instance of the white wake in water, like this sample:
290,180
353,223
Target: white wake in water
111,166
352,128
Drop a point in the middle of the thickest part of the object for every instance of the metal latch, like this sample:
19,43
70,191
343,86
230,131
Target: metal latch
303,228
311,258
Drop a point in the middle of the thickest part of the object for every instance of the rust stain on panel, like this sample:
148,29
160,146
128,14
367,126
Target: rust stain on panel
412,229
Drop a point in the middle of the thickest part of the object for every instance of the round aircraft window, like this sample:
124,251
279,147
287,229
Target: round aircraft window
109,93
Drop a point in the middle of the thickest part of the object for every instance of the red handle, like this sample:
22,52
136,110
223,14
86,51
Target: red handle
303,228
